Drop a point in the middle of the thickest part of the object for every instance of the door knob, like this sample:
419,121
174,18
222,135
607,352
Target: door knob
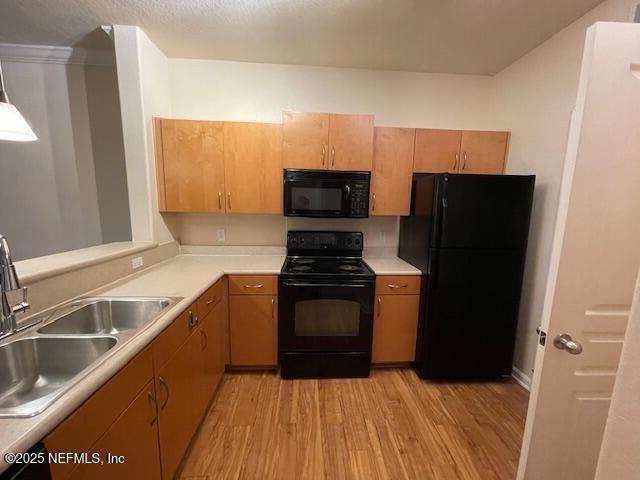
565,342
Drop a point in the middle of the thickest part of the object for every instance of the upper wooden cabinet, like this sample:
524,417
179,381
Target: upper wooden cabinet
456,151
392,170
483,152
437,151
304,140
327,141
253,167
351,142
189,163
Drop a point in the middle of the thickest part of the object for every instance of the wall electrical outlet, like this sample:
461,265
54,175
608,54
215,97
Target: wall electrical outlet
220,234
137,262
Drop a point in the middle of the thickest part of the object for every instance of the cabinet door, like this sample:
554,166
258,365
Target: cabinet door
351,142
212,333
134,437
253,167
181,402
483,152
395,328
392,171
252,326
305,139
437,151
192,167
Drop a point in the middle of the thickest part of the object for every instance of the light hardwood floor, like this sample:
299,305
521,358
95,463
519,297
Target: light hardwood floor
392,425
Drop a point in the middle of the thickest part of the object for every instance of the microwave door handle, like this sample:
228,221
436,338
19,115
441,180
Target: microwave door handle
347,189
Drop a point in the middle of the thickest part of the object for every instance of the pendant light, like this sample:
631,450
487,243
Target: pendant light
13,126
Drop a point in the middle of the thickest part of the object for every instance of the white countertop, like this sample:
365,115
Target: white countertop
391,266
187,276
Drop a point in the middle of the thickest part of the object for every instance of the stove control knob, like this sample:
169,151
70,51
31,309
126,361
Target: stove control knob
357,241
302,241
349,241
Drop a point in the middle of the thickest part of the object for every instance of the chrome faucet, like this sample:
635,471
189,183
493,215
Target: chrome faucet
9,282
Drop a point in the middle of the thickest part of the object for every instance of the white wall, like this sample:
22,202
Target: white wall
143,81
220,90
535,98
67,190
271,230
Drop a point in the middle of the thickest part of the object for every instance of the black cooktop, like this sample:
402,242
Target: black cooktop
302,265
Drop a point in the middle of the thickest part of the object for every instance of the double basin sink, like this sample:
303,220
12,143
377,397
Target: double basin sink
39,367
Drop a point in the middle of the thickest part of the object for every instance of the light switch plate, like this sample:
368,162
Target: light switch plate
220,234
137,262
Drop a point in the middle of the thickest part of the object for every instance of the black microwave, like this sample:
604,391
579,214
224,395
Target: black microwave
326,194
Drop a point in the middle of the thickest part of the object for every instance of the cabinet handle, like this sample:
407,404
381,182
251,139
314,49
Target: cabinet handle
324,154
193,320
219,200
373,203
379,306
464,160
209,302
152,399
397,286
229,200
164,385
455,161
333,156
259,285
273,308
205,340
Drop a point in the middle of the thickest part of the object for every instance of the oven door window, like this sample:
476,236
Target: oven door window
327,318
327,199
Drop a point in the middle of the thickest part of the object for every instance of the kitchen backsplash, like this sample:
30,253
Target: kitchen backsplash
202,228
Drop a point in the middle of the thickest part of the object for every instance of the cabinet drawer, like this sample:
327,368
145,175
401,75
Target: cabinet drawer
210,299
397,285
80,431
172,337
252,284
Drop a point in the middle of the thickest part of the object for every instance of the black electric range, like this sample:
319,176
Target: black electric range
325,314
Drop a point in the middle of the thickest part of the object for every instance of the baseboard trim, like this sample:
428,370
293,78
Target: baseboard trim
519,376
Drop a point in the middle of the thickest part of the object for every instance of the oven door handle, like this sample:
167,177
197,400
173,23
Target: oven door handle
309,284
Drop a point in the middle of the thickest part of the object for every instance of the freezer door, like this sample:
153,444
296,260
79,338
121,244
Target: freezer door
471,313
482,211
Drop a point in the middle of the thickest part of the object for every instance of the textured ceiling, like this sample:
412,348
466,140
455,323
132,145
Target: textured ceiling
453,36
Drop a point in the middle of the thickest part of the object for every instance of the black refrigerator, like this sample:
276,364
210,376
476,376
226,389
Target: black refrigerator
468,236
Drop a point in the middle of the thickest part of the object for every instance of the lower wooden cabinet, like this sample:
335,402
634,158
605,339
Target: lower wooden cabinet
149,411
180,402
253,330
213,337
131,443
83,429
395,321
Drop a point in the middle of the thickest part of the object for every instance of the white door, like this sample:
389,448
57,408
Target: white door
594,263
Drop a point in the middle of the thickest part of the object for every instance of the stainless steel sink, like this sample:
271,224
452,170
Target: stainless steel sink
36,368
34,371
105,315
